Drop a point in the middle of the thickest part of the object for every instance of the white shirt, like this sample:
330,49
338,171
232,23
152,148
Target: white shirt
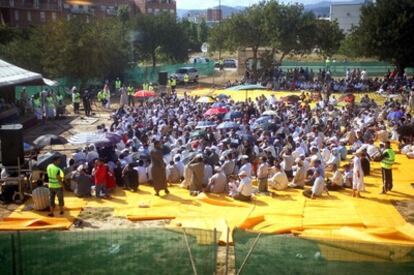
91,156
142,174
337,178
318,186
280,179
245,187
247,167
208,173
180,167
263,171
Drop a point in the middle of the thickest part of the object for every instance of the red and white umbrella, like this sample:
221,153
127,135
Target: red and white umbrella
145,94
216,111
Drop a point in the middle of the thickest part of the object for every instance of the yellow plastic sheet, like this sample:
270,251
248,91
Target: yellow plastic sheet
22,219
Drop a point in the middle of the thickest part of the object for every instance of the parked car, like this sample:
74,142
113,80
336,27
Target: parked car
227,63
191,71
199,60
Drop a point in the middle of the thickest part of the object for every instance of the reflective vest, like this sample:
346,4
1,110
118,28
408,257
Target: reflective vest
186,78
52,172
118,84
100,96
59,99
173,82
49,101
37,103
387,162
130,90
150,88
76,97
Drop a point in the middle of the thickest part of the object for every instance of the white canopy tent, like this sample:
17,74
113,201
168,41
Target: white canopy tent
12,75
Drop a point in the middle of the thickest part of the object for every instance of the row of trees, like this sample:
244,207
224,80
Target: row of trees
284,28
101,48
385,32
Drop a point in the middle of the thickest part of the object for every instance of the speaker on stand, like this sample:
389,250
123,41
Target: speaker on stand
11,138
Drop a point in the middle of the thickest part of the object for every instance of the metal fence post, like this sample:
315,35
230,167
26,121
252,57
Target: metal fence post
227,251
19,254
13,251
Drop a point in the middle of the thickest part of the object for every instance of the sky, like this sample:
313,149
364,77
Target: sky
204,4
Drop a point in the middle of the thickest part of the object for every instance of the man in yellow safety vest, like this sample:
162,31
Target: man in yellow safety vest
173,83
130,91
388,159
186,79
55,176
76,99
118,84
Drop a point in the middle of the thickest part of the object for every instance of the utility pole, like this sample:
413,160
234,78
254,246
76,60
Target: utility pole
220,16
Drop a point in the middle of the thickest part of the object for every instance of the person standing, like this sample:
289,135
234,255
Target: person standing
37,107
86,101
388,159
60,105
186,79
358,176
55,176
173,84
118,84
196,167
131,101
75,100
124,97
100,172
50,107
158,172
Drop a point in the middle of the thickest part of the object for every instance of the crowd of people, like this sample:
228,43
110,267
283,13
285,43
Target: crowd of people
354,80
277,144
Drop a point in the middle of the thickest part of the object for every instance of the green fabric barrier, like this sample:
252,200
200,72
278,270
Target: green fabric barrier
286,254
6,254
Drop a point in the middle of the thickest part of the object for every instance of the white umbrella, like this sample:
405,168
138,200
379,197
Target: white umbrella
88,138
269,113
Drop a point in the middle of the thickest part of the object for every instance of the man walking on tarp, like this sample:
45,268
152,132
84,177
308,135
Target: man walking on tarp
75,100
131,101
388,159
55,175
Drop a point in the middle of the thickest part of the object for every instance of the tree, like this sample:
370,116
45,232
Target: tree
160,34
385,31
245,29
203,32
328,37
73,49
290,29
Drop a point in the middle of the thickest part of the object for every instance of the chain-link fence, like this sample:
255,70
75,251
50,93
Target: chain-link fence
257,253
143,251
338,68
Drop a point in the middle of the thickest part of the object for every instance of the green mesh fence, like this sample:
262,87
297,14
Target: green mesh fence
6,254
141,74
143,251
283,254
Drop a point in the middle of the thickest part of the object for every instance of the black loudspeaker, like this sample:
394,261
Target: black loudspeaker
162,78
11,137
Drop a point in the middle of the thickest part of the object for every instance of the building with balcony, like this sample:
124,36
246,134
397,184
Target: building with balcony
214,15
24,13
156,6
